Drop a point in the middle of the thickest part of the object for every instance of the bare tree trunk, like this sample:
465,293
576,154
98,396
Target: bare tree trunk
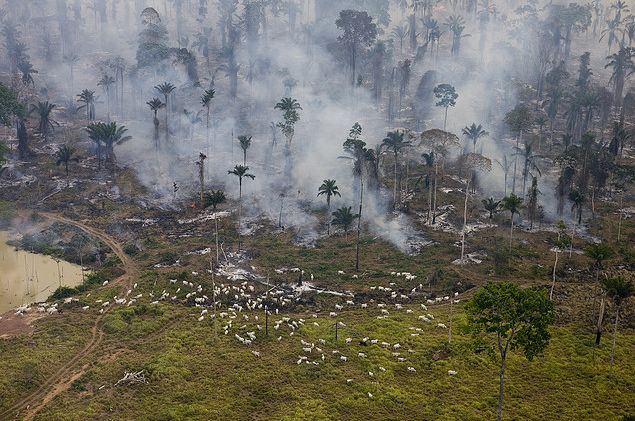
499,416
511,233
617,310
553,282
598,331
467,187
359,223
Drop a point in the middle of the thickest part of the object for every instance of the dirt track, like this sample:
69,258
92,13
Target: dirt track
73,369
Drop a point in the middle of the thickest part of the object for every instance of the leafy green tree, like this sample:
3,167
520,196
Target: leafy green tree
329,189
245,143
446,95
513,204
344,218
519,319
619,289
65,155
394,141
46,123
359,31
474,133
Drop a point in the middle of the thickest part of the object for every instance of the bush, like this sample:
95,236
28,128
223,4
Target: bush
501,257
131,249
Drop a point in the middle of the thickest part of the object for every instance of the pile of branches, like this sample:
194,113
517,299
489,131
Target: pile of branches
132,378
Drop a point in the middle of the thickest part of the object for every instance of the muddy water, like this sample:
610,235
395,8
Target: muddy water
28,277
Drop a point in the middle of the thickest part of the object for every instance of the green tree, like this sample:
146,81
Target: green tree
446,95
329,189
106,136
619,289
344,218
12,109
622,66
519,319
513,204
359,31
394,141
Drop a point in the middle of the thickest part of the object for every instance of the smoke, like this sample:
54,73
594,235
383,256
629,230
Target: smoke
303,64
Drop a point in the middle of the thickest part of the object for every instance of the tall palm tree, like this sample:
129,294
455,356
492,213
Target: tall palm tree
474,133
400,33
241,172
214,198
577,199
529,160
155,105
88,98
344,218
27,70
107,81
622,66
46,123
245,143
330,189
619,289
611,32
456,25
599,252
395,142
206,101
290,115
165,89
513,204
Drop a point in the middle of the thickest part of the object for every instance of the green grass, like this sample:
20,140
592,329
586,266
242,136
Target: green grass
194,375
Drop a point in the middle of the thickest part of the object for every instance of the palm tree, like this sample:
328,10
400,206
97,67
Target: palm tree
245,143
290,115
619,289
506,166
577,201
43,111
612,30
344,217
106,136
529,160
622,66
214,198
400,33
65,155
491,206
166,89
206,101
395,141
241,172
88,98
107,81
27,70
456,25
429,163
513,204
329,188
474,133
155,105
